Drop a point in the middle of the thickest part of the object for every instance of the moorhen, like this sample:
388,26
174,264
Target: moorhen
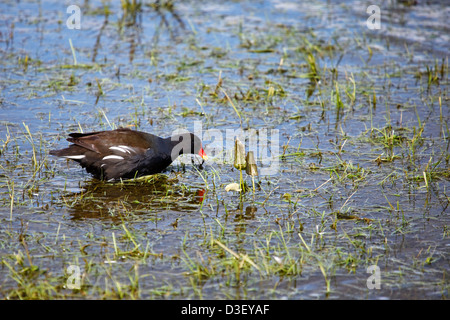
125,154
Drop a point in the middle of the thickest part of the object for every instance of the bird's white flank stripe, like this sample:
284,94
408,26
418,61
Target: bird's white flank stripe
127,148
81,156
113,157
119,148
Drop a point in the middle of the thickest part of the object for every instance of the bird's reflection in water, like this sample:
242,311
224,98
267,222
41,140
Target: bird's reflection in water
241,219
142,196
248,215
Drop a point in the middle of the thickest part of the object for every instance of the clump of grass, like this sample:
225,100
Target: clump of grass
313,69
339,103
434,74
130,11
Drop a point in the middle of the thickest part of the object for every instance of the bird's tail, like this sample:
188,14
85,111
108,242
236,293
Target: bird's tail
73,152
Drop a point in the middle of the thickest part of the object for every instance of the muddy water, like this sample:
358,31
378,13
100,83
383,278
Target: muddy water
351,180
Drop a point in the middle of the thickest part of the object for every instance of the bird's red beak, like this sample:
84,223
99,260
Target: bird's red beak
202,154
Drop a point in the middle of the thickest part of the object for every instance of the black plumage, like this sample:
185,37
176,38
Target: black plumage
125,153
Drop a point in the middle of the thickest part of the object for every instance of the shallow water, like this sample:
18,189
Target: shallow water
340,189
